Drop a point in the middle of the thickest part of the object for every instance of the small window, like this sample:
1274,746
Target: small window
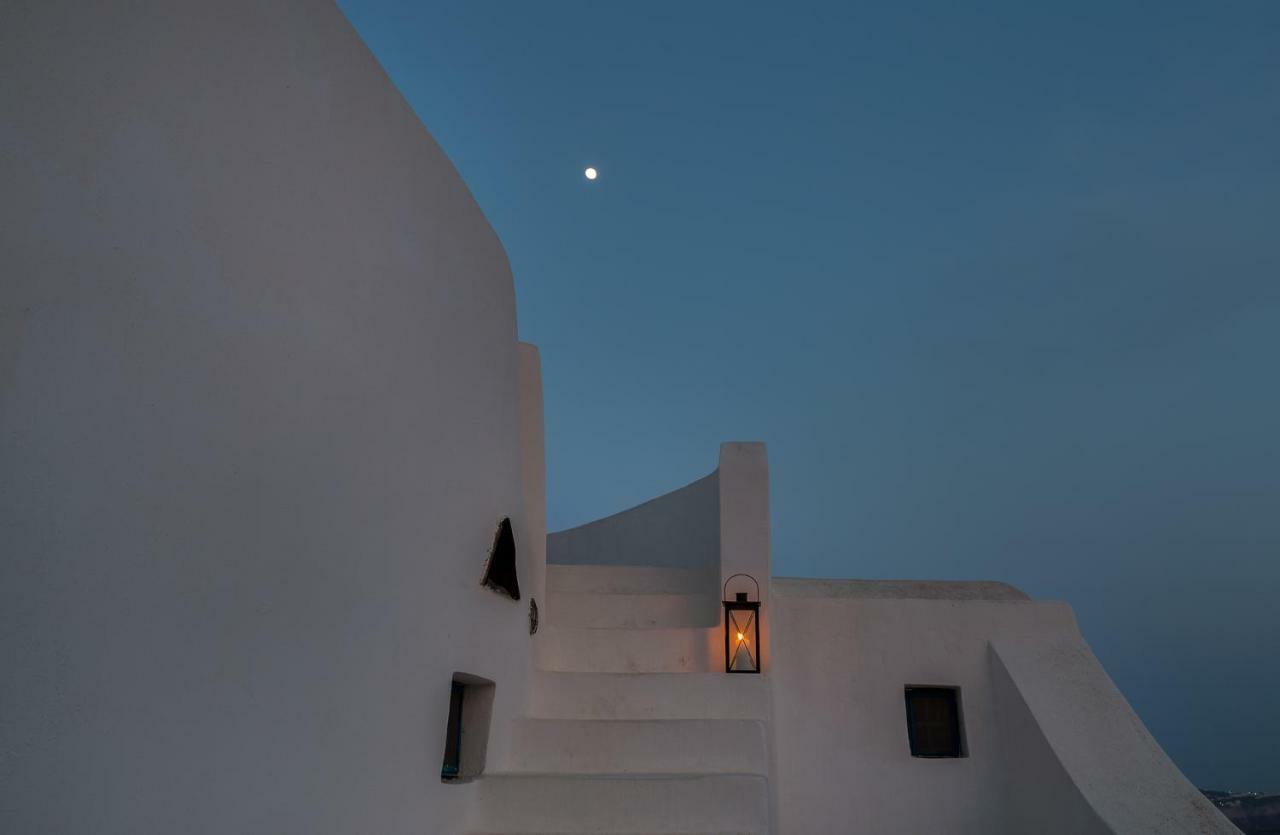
500,571
933,722
466,736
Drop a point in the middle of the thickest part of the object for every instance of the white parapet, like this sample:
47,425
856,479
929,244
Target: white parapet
743,480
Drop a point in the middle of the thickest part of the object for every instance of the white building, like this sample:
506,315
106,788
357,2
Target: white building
262,408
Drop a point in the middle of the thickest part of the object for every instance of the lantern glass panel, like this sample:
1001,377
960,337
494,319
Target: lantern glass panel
742,654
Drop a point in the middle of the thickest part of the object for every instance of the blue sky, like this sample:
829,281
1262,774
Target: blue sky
998,285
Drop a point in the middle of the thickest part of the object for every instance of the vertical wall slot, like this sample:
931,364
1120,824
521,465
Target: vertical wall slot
453,734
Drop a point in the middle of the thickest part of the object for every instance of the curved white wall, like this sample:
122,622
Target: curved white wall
259,415
680,529
1079,738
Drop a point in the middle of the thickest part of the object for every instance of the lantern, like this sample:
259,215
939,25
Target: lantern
741,629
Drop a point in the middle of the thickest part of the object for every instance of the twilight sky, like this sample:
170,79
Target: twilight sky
999,286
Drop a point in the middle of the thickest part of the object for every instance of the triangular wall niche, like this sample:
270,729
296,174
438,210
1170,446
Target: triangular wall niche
500,573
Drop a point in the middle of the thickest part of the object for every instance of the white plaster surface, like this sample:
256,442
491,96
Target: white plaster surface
652,650
677,530
629,579
608,805
630,746
259,414
632,726
1117,770
649,696
1052,747
533,476
745,532
632,611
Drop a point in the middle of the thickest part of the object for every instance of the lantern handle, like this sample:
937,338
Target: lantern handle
724,591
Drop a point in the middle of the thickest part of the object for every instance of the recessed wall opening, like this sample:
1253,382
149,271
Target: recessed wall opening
935,727
466,737
500,571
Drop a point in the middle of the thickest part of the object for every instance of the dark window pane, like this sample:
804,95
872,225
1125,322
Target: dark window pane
933,722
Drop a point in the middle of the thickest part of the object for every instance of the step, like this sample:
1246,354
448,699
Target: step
600,610
651,746
597,832
615,805
579,650
632,579
713,695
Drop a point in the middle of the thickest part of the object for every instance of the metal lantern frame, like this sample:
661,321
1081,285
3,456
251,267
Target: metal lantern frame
734,624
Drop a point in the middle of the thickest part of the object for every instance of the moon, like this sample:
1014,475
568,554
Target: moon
591,173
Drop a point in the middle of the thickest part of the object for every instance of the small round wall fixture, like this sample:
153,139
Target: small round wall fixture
591,173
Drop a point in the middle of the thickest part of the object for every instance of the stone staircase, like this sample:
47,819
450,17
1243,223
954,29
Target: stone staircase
632,726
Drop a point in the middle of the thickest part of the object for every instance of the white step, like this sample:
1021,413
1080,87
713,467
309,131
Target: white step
631,579
631,611
577,650
714,695
661,746
609,805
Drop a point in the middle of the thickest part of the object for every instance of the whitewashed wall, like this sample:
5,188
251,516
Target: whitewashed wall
680,529
1052,745
259,415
